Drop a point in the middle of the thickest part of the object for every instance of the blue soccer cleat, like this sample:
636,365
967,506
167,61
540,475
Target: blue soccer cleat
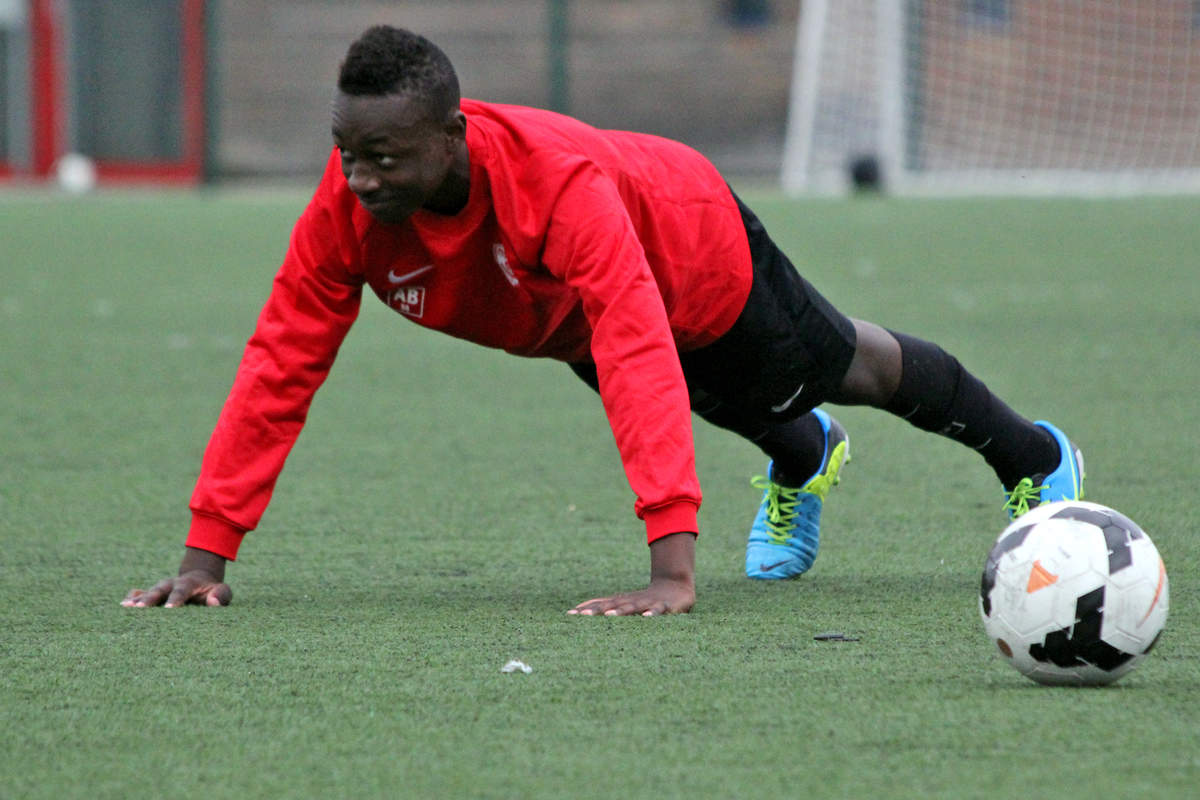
1064,483
787,530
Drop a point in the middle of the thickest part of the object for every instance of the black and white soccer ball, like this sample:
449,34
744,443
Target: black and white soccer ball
1073,593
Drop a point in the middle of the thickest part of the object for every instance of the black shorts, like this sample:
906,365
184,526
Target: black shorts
784,355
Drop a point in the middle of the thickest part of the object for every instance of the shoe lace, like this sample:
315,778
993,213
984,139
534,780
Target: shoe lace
1023,497
782,510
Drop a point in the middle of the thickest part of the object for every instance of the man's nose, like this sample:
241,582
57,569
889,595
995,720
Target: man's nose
362,179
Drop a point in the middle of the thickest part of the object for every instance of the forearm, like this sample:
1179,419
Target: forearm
673,558
195,559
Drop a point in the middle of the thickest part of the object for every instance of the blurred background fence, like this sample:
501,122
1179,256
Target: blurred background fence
180,89
688,69
981,96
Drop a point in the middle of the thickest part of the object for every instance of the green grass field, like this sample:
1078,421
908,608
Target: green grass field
446,505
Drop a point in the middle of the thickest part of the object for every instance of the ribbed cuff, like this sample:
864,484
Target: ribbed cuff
677,517
214,535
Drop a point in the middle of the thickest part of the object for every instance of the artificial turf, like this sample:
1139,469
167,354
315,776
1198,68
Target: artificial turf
446,505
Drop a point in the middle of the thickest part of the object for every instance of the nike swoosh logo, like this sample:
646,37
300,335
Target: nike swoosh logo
408,276
769,567
786,403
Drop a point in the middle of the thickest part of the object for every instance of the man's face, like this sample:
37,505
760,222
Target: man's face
394,156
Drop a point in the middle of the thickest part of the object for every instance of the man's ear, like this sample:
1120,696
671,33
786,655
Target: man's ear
455,128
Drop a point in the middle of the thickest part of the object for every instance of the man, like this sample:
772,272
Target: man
624,255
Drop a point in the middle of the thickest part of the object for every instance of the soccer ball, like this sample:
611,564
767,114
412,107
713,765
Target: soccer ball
1073,593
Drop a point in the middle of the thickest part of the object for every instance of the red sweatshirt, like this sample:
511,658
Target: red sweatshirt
575,244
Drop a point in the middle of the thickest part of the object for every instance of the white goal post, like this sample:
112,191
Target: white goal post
1089,97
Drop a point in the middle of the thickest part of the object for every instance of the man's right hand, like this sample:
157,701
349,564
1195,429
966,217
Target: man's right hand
200,582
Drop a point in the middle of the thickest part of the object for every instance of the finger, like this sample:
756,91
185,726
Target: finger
180,595
157,594
656,610
623,608
132,597
588,607
219,595
593,608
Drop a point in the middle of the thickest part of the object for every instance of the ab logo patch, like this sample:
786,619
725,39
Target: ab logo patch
409,300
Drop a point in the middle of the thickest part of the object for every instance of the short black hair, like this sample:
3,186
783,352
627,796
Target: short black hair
387,60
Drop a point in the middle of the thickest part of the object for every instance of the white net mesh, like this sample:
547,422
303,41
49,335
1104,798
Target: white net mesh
999,95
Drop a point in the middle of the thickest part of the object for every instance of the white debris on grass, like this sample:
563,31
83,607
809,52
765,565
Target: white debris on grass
517,666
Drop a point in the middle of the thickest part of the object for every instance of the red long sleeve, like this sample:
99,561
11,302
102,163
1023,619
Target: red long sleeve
593,247
312,305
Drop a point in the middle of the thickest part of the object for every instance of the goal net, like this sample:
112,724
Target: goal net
996,96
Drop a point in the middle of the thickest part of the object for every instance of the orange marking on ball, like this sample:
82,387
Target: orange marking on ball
1040,578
